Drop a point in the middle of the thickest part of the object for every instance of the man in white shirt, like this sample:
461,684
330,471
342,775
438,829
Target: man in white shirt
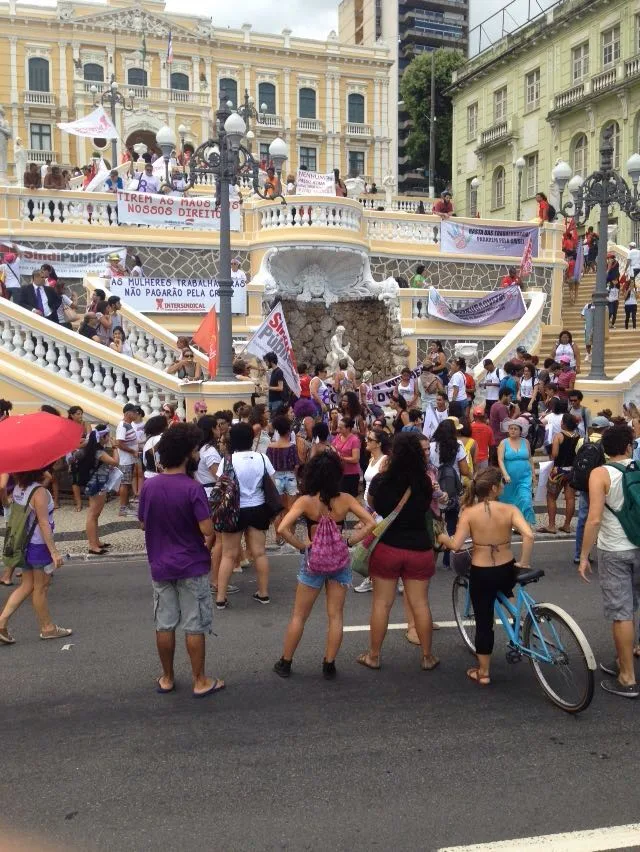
127,444
148,182
237,275
491,384
10,274
633,260
457,391
618,558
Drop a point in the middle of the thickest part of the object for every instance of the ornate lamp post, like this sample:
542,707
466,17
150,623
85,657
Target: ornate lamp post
249,112
520,163
561,174
112,98
603,188
166,140
475,185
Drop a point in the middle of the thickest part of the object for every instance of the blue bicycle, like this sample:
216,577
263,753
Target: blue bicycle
557,649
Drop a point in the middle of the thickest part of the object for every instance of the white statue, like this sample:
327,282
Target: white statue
338,350
5,135
20,159
355,186
389,185
389,290
468,351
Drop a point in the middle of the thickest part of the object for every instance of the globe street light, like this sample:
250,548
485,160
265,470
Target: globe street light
519,164
111,97
165,137
475,184
561,174
603,188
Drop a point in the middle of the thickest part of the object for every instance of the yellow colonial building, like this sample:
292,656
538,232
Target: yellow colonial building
546,92
327,100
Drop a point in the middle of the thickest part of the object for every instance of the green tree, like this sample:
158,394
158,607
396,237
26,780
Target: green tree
415,91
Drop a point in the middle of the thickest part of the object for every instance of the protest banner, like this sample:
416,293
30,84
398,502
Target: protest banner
273,336
68,263
176,295
96,125
313,183
498,240
383,390
206,337
143,208
505,305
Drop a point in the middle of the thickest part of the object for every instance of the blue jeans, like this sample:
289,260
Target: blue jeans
583,511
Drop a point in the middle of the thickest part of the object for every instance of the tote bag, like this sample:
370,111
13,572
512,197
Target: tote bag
362,552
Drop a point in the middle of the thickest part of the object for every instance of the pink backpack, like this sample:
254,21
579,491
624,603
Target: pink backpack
329,552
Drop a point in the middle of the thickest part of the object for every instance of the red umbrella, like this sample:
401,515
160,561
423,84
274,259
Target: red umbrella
34,441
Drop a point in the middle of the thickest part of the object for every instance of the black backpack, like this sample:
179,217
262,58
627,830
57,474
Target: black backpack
551,214
589,456
450,484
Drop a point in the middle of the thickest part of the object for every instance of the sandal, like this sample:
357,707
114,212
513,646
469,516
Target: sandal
216,687
366,661
547,530
6,637
564,529
164,690
636,650
481,680
428,664
57,633
415,641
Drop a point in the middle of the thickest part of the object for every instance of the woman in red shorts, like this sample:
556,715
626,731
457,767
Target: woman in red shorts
405,549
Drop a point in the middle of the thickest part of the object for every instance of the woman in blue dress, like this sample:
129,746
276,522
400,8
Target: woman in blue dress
516,464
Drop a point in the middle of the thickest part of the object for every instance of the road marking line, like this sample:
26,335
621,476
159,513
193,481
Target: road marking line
595,840
357,628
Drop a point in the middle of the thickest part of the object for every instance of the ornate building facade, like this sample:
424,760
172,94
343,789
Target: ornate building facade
547,92
329,101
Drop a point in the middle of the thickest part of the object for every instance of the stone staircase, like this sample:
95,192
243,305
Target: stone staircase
622,347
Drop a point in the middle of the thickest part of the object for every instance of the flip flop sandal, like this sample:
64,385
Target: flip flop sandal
564,529
362,660
547,530
475,676
6,583
161,689
218,685
411,641
6,637
428,664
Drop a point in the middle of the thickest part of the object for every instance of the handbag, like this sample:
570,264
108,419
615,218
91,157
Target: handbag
70,315
361,553
224,500
272,499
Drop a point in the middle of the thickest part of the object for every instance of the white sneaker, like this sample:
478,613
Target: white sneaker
400,587
365,586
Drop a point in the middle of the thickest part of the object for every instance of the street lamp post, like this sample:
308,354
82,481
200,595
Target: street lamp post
111,98
520,164
561,174
166,140
603,188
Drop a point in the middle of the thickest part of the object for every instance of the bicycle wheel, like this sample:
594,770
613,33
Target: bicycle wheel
567,676
463,612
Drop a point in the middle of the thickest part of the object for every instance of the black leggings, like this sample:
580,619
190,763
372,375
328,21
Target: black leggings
484,585
630,312
613,312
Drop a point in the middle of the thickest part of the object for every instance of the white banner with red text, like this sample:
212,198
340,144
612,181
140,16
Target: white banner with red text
68,263
96,125
273,336
176,295
187,211
314,183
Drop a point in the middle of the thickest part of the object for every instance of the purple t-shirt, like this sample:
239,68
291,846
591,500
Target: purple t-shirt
171,505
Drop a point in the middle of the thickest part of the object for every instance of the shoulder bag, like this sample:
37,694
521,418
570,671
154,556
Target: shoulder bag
361,553
272,499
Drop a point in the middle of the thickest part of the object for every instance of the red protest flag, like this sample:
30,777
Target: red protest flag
206,337
526,264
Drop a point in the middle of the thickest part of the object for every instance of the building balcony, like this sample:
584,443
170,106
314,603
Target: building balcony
41,99
498,134
275,122
353,128
309,125
599,84
37,156
632,67
147,93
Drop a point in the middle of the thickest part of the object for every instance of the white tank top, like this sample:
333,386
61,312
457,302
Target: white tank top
611,535
565,349
372,470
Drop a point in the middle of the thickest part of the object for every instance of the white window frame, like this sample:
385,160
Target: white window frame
580,168
610,45
308,148
365,107
531,175
472,198
532,90
500,101
580,60
41,124
498,201
472,126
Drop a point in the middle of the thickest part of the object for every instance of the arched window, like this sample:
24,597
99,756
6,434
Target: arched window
38,74
498,188
180,82
615,139
94,72
230,89
267,96
355,111
137,77
307,103
580,155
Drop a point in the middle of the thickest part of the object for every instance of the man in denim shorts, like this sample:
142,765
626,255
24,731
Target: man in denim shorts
174,513
618,558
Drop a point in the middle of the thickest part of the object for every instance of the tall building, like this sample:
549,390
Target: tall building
328,100
545,92
408,27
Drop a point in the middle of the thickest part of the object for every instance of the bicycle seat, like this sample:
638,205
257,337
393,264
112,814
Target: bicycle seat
531,575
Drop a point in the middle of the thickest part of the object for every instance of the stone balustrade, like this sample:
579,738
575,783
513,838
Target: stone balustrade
394,227
603,81
569,97
632,67
311,213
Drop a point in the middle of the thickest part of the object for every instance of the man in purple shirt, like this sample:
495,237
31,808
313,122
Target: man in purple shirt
175,516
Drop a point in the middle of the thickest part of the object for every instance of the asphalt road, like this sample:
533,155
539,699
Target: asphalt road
92,759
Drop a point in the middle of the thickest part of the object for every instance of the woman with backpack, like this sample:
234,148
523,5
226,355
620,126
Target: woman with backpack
563,454
325,560
405,549
450,457
40,557
94,470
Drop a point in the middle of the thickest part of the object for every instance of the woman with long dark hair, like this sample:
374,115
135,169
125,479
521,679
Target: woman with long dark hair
399,405
76,414
94,468
405,551
322,496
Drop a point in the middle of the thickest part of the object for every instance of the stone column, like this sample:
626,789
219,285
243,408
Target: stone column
195,73
328,104
213,90
204,126
287,99
164,71
376,107
13,76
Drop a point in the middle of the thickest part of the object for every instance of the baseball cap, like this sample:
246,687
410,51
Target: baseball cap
564,359
600,422
478,411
